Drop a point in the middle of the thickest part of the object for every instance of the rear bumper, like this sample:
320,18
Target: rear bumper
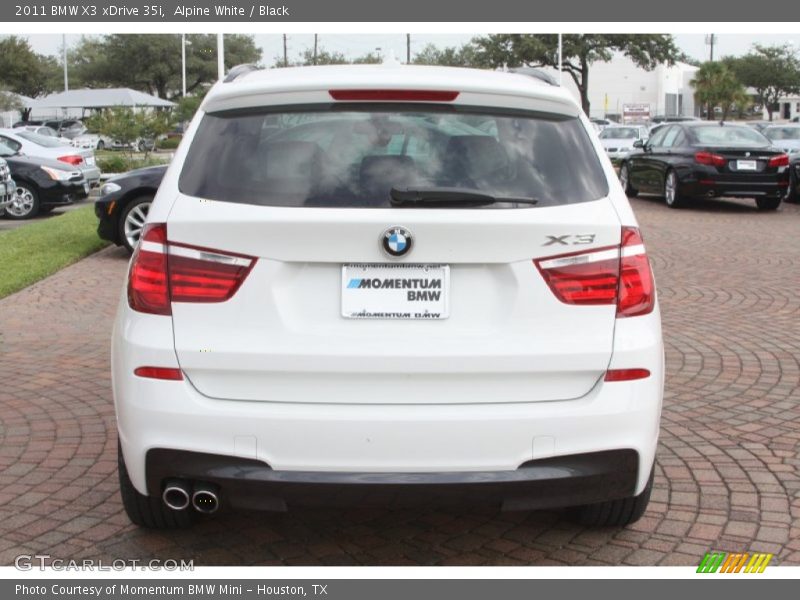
545,483
708,183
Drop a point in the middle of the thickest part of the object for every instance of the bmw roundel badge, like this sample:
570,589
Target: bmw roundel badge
396,241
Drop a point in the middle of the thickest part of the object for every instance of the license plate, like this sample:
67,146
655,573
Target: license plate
746,165
90,161
10,187
404,292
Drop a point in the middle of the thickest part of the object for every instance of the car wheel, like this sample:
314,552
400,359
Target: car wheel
25,204
101,145
671,194
616,513
768,203
147,511
132,220
625,180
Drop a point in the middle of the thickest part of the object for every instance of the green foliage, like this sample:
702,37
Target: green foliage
715,84
772,71
465,56
579,52
119,123
37,250
25,72
187,106
152,62
119,162
170,143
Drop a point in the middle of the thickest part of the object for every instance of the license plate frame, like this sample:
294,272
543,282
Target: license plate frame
746,165
383,291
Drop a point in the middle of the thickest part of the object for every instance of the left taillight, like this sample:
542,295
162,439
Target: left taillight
164,272
618,275
71,159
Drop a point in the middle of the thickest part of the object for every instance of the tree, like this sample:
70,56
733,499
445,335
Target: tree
716,85
9,101
465,56
324,57
23,71
772,71
118,123
152,63
580,51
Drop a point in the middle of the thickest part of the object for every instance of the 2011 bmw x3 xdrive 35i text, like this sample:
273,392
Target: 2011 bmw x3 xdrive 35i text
385,284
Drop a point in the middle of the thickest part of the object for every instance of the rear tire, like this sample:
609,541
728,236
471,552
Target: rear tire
146,511
616,513
671,193
768,203
625,180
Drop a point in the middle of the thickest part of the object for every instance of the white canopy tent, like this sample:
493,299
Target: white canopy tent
72,101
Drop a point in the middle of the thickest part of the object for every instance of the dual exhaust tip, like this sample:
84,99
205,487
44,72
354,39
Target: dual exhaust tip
204,497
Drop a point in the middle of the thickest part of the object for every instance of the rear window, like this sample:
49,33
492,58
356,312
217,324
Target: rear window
716,135
620,133
353,155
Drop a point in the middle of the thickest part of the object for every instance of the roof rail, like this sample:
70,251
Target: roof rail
240,70
536,74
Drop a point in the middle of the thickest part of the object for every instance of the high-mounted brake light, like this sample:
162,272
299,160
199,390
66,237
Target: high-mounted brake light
72,159
708,158
394,95
782,160
618,275
164,272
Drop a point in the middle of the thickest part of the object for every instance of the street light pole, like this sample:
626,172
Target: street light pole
64,47
408,48
183,62
560,69
220,56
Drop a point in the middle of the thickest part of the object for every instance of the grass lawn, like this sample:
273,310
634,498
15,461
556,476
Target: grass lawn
34,251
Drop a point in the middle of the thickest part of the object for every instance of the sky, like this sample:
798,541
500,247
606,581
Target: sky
358,44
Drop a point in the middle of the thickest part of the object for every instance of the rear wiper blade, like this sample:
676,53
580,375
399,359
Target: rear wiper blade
446,196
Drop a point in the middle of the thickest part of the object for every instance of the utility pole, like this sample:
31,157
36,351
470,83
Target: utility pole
315,49
285,55
560,57
710,39
408,48
64,45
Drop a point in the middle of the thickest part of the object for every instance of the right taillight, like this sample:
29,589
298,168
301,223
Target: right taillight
164,272
611,275
781,160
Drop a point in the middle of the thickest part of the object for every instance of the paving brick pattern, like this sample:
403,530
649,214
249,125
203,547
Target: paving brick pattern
727,472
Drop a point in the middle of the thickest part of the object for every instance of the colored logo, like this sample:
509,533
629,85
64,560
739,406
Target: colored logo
723,562
396,241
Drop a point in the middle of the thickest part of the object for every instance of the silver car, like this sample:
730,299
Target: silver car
786,137
618,140
40,146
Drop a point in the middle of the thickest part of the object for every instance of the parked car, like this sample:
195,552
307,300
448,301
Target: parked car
41,184
793,194
387,281
691,160
37,146
786,137
68,128
618,140
94,141
47,132
124,203
758,125
7,186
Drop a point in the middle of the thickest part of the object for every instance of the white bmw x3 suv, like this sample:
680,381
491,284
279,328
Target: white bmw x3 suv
388,284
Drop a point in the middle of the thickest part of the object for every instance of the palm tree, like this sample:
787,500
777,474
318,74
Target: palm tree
715,84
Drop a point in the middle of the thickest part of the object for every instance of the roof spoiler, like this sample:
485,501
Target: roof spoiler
240,70
536,74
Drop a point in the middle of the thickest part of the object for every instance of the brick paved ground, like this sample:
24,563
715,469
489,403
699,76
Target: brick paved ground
729,282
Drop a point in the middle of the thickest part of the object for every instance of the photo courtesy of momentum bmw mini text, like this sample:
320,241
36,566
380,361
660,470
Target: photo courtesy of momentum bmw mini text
290,291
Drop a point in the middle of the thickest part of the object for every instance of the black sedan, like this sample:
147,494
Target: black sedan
124,203
41,184
689,160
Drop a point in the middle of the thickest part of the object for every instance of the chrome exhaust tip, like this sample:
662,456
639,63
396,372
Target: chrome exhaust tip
176,495
205,498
